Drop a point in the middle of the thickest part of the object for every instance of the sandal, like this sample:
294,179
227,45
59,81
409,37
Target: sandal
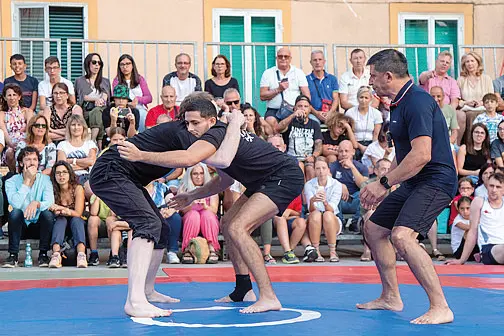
269,260
440,256
320,259
366,256
213,258
334,257
187,258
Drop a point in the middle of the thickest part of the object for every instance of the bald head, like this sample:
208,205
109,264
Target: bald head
277,142
345,150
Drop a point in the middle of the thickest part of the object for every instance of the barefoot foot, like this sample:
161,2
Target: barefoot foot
382,304
158,297
263,305
435,315
144,309
249,297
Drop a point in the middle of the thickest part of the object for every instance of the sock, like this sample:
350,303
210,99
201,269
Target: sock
243,285
94,251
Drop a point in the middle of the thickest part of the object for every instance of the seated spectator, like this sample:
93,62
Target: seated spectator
78,150
13,119
59,112
380,149
487,215
302,136
323,88
115,229
473,84
255,124
37,135
67,208
460,227
490,118
99,213
231,101
27,83
351,174
448,112
484,174
183,81
498,85
368,120
465,189
139,94
280,85
93,94
201,215
30,193
475,153
323,194
340,127
221,80
45,88
120,114
167,107
497,147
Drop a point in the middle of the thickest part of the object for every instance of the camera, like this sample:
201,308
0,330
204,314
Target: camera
123,112
390,141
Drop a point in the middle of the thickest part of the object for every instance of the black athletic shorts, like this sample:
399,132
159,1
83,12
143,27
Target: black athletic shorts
283,186
110,181
412,206
271,112
486,255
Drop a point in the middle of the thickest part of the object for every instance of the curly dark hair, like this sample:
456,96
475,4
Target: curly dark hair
72,180
257,123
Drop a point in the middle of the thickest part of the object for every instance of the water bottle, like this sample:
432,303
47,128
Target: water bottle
28,259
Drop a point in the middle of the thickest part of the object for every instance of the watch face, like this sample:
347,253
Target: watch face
383,179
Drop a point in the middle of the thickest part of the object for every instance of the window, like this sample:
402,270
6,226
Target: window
47,21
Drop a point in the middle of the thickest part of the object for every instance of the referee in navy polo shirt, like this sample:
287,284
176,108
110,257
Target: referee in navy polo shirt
426,173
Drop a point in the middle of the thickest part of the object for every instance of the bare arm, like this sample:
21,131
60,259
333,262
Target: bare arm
358,177
216,185
229,146
265,93
500,161
34,101
345,104
199,151
416,159
43,103
453,136
318,148
461,156
305,91
335,102
472,234
376,131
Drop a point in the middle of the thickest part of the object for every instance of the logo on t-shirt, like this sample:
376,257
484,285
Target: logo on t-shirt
247,136
338,175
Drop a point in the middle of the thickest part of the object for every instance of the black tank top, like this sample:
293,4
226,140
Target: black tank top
474,162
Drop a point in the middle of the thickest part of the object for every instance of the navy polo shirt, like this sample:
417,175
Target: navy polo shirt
417,114
326,87
346,177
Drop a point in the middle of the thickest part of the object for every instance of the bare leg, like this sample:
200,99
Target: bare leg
384,255
461,120
498,253
315,228
93,224
115,242
298,230
282,232
420,263
309,171
150,292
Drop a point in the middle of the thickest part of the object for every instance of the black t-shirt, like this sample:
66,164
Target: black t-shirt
218,91
106,119
327,140
28,86
300,138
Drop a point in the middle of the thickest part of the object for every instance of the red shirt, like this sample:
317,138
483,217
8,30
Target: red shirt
296,204
155,112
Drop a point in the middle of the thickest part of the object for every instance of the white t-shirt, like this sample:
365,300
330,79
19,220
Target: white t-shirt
491,225
82,152
364,125
296,79
349,84
183,88
374,150
457,233
135,92
45,89
481,191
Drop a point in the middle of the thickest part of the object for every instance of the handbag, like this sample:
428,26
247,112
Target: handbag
285,109
326,103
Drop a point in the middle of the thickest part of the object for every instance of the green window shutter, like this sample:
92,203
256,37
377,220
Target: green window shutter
417,32
263,30
232,29
65,23
31,24
446,32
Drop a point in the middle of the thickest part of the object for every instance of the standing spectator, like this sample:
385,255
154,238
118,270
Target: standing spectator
27,83
139,94
77,150
45,88
323,88
120,114
182,80
37,136
498,85
167,107
490,118
323,194
449,113
67,208
30,194
475,153
302,136
13,119
221,80
340,128
473,84
255,124
281,84
60,111
439,78
93,94
368,120
497,148
352,80
351,174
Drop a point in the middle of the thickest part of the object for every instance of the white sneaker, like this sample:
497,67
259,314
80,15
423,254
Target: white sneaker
172,258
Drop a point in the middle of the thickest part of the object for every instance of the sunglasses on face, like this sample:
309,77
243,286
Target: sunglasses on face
236,102
95,62
283,56
40,125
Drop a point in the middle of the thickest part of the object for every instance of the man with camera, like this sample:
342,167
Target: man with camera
120,115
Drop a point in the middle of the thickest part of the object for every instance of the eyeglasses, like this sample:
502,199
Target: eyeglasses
479,133
59,93
123,65
236,102
40,125
501,129
95,62
283,56
61,173
52,68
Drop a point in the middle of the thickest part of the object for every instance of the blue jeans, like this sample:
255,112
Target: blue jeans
352,206
175,224
76,226
19,229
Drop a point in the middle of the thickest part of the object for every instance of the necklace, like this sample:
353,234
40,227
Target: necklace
394,104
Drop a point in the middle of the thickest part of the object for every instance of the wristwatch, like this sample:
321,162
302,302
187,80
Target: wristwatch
384,182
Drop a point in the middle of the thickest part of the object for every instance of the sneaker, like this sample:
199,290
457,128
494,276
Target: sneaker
43,260
290,258
354,227
114,262
172,258
123,256
81,260
310,254
94,259
55,260
11,261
